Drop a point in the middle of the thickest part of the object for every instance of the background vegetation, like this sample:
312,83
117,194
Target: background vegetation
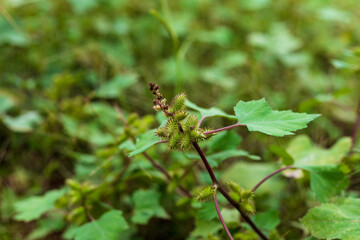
67,67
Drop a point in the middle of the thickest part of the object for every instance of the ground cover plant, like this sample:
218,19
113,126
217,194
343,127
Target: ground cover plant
259,137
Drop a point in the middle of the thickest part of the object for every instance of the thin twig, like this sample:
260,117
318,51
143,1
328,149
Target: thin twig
157,166
167,175
356,126
224,128
270,175
220,216
226,195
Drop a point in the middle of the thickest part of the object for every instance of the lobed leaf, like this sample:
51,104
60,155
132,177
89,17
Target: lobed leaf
258,116
340,220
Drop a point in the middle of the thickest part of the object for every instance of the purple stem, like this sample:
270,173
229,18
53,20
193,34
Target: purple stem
225,128
220,216
206,163
270,175
226,195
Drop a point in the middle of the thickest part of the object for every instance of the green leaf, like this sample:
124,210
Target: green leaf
33,207
114,87
88,132
258,116
268,220
204,228
326,181
23,123
286,158
47,226
306,153
225,140
217,158
339,219
108,227
209,112
144,141
147,206
207,211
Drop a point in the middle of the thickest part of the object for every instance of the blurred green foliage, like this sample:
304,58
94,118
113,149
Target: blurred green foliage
66,64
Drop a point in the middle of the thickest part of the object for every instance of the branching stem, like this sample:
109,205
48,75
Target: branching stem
225,194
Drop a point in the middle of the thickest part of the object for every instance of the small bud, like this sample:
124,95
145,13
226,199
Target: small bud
234,187
152,86
178,102
156,107
180,115
205,194
185,142
161,132
248,207
174,141
73,184
163,101
190,121
246,194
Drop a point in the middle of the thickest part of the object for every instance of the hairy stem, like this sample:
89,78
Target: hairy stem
356,126
224,128
269,176
226,195
220,216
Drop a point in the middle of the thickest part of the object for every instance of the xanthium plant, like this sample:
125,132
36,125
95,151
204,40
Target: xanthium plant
181,128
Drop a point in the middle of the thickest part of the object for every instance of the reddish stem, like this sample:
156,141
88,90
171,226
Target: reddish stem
225,128
226,195
269,176
220,216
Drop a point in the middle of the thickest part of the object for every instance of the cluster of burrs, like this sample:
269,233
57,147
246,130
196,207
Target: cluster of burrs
182,128
245,197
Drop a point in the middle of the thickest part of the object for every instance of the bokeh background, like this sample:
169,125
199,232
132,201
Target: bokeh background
65,64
